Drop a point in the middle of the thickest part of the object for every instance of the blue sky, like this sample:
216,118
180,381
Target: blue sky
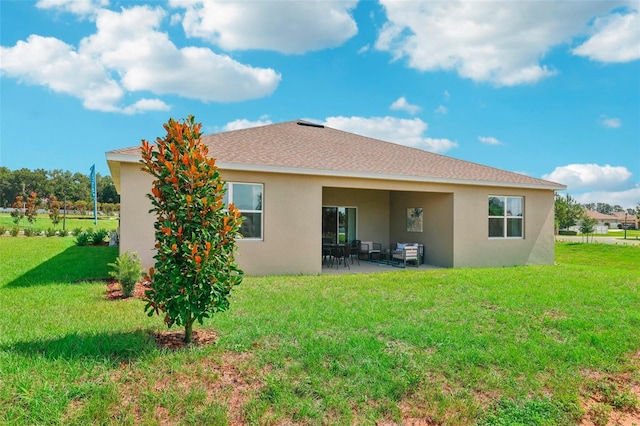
548,89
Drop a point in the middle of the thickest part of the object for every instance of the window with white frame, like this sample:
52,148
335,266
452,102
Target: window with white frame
506,217
247,197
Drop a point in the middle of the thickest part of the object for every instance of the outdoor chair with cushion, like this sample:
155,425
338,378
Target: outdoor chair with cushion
370,249
406,254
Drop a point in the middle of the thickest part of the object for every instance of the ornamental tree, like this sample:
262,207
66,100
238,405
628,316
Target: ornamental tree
195,232
31,208
54,210
18,210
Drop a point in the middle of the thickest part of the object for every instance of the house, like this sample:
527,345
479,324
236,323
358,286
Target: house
298,183
603,220
630,221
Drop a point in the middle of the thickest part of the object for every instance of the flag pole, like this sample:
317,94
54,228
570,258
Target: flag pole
94,195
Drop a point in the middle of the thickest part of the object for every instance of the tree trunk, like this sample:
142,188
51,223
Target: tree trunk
188,330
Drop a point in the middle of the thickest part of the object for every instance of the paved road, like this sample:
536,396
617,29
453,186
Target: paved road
604,240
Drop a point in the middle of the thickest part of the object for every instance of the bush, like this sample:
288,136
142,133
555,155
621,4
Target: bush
76,232
50,232
63,233
84,238
567,232
3,230
14,231
127,269
99,236
30,232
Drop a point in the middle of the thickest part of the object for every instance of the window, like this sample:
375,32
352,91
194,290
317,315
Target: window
247,197
506,217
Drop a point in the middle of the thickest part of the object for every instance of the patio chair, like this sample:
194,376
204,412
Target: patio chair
406,253
370,249
355,251
341,253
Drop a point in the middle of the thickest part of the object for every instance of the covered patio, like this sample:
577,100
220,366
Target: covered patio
386,217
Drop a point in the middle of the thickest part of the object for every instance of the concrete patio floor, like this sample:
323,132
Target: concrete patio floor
368,267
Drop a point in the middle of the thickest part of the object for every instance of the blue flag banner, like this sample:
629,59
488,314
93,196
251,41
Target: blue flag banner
94,194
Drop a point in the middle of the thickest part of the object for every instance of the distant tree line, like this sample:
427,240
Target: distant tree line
605,208
75,187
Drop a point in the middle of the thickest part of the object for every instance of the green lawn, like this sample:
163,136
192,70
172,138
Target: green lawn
499,346
43,223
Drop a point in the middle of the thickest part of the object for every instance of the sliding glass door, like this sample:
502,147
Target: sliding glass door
338,224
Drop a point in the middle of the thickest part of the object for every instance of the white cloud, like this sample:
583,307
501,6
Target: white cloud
77,7
130,43
291,27
497,42
47,61
144,105
612,123
489,140
627,199
446,95
616,39
243,123
591,177
364,49
128,54
441,110
408,132
402,104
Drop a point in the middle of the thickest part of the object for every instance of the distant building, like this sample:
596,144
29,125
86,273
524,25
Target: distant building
630,220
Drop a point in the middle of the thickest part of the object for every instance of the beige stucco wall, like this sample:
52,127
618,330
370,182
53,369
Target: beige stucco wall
292,241
136,223
292,218
455,221
473,248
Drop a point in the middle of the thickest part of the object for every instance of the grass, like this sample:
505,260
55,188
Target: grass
43,222
498,346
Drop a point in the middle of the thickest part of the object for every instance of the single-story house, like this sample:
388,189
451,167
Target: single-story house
299,184
604,220
626,219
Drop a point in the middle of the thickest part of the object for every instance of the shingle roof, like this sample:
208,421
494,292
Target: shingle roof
600,216
308,149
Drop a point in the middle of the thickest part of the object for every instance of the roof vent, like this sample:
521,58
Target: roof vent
307,123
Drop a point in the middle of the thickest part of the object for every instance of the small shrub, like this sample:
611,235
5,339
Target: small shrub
76,232
3,230
99,236
63,233
14,231
127,269
84,238
50,232
567,232
30,232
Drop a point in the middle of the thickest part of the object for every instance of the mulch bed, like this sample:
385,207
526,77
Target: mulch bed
175,339
114,291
